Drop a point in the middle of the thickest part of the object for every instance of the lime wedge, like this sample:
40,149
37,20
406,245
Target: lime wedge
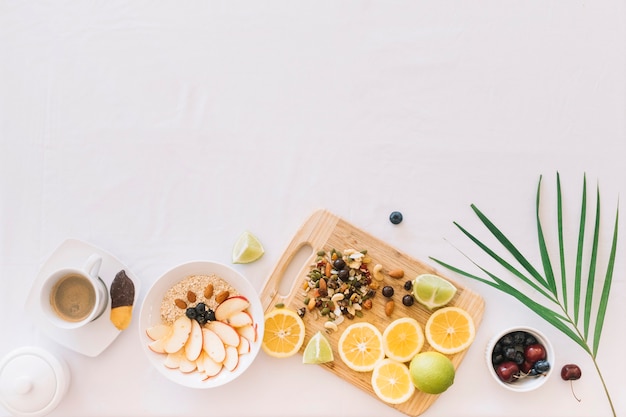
247,249
432,291
318,350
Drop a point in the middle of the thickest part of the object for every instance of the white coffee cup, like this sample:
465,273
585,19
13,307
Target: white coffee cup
73,297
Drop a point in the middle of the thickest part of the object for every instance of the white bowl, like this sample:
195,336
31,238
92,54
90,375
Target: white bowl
150,315
528,383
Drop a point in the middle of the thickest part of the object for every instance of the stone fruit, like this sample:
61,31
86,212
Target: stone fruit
571,372
507,371
534,352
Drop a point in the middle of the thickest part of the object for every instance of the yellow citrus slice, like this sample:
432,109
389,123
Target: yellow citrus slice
284,333
403,338
247,249
361,346
450,330
391,381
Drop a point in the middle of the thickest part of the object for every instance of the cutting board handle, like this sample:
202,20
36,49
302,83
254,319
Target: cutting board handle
312,234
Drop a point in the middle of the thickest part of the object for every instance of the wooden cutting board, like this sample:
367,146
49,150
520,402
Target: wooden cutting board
325,231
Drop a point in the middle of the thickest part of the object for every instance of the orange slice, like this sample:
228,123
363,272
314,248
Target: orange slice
391,381
361,346
450,330
403,338
284,333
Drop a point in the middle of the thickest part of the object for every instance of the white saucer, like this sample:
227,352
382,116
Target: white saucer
92,339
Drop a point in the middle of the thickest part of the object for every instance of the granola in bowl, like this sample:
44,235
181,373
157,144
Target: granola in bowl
200,323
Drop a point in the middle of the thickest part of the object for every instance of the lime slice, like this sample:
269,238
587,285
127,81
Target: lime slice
432,291
247,249
318,350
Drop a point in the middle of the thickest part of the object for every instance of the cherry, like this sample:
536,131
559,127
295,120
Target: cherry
507,370
534,352
526,367
571,372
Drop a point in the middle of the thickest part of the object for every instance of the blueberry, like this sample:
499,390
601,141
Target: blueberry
395,217
542,366
530,340
408,300
200,308
408,285
507,340
191,313
510,353
519,358
388,291
210,315
519,337
497,358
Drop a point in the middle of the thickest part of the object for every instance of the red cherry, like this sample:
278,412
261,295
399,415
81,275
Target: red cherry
526,367
534,352
570,372
507,370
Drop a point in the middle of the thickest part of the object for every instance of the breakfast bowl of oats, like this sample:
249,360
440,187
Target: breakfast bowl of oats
201,324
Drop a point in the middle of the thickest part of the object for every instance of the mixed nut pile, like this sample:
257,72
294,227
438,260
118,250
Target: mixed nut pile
342,284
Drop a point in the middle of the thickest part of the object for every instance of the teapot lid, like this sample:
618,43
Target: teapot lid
32,381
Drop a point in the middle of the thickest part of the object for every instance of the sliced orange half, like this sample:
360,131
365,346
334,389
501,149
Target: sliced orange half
403,338
361,346
450,330
391,381
284,333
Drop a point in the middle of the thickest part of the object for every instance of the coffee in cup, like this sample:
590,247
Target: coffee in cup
73,297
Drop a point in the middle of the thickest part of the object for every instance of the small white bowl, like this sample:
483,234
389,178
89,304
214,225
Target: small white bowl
150,315
529,383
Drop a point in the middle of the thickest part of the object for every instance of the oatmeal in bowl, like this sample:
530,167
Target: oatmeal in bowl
200,324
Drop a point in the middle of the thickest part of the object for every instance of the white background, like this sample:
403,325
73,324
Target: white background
159,131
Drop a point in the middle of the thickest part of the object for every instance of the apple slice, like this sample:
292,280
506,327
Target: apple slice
172,360
200,361
213,346
232,358
239,319
193,346
211,368
158,346
186,365
248,331
227,333
158,331
244,346
180,334
230,306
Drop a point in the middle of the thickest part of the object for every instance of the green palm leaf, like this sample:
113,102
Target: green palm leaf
579,252
606,289
532,281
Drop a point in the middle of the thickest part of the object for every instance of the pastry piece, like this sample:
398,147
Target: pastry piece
122,297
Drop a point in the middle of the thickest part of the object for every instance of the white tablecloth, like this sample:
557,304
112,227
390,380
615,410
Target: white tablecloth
159,131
